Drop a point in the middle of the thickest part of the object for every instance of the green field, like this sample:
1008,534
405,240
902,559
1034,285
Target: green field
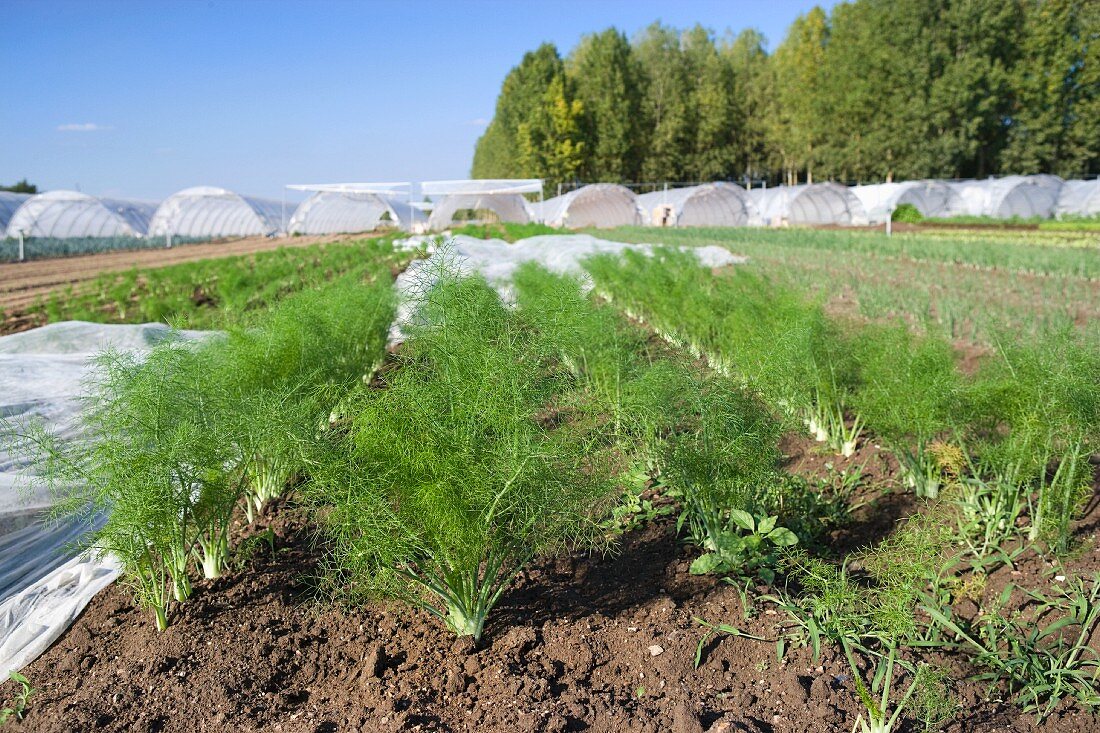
972,286
498,436
219,292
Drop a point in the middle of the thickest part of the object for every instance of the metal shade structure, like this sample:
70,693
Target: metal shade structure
1024,197
344,208
600,205
502,196
1078,198
933,199
72,214
809,203
482,186
709,205
207,211
509,207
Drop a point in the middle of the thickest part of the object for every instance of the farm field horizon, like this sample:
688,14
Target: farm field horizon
623,366
642,593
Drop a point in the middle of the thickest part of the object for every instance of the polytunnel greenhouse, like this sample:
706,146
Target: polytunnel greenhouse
933,199
1079,198
9,203
71,214
709,205
808,203
346,212
205,211
600,205
510,207
502,197
1010,197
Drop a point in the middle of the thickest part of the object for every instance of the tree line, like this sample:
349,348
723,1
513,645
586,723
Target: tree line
20,186
874,90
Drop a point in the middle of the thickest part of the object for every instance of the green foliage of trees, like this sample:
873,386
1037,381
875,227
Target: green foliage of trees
871,90
21,186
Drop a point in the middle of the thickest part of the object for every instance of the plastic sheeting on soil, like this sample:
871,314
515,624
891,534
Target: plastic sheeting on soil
709,205
808,203
508,207
601,205
67,214
332,212
497,260
933,199
1079,198
1010,197
31,621
206,211
44,584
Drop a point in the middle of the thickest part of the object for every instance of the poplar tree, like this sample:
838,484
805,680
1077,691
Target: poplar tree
523,94
796,118
664,104
752,90
1055,83
606,77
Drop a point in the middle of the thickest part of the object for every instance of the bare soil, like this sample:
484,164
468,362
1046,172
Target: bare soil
24,283
583,643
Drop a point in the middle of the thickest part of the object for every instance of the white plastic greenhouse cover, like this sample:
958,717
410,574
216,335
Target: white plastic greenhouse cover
497,260
1079,198
809,203
329,212
509,207
206,211
44,584
9,202
600,205
1011,196
934,199
709,205
65,214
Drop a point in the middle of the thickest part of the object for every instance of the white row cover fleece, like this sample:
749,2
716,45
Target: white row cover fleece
44,582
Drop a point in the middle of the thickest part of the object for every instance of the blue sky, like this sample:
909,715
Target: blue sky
140,99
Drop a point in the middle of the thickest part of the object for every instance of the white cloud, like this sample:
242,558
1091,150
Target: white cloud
83,127
479,122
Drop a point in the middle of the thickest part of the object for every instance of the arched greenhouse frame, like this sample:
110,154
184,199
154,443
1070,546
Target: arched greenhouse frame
809,204
709,205
933,199
600,205
209,212
72,214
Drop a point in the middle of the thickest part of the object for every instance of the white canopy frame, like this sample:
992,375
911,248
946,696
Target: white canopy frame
72,214
599,205
508,207
392,189
208,211
717,204
484,186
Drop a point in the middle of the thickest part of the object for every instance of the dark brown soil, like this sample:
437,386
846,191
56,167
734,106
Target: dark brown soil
583,643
